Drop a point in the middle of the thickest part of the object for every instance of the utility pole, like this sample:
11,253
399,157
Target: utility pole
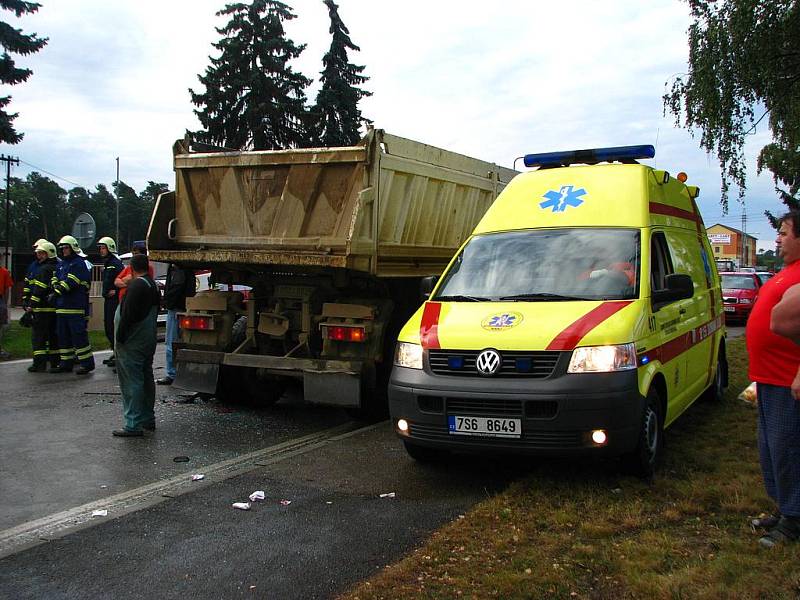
116,191
8,160
744,262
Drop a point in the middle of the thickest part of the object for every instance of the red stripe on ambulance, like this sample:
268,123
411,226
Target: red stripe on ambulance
569,338
429,326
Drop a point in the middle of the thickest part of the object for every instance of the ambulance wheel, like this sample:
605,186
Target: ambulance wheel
642,461
716,391
424,454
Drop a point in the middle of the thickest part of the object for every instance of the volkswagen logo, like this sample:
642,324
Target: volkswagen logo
488,362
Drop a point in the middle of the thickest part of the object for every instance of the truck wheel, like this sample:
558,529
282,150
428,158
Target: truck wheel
643,459
243,385
424,454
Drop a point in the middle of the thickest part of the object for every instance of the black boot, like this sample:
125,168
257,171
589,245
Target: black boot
62,368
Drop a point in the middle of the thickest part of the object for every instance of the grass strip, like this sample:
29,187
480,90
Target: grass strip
581,529
17,341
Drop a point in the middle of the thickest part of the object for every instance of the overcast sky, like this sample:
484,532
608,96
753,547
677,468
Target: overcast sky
493,81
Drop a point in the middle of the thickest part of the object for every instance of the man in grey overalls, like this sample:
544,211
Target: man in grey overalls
135,335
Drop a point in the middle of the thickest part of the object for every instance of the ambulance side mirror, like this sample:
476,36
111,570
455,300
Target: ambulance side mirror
426,286
679,287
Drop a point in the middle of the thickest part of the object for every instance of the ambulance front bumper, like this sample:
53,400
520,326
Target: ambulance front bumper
557,414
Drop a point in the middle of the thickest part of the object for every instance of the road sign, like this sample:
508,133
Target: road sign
84,230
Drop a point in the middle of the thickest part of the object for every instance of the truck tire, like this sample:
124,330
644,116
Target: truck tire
643,459
244,385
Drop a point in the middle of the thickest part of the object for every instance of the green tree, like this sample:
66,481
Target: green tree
14,41
335,117
253,99
744,59
49,207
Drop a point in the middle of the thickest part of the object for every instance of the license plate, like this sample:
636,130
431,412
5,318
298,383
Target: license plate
485,426
729,308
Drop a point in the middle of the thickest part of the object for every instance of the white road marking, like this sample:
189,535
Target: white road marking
62,523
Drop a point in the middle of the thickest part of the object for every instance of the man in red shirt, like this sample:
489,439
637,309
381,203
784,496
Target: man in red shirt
774,366
5,301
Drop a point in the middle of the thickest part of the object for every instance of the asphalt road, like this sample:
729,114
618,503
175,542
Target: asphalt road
166,536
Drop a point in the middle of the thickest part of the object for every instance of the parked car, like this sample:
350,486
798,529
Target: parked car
739,293
764,276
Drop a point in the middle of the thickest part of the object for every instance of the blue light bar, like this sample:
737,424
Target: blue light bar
592,155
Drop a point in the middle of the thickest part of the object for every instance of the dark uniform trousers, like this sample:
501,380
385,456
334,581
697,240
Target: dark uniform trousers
73,340
44,338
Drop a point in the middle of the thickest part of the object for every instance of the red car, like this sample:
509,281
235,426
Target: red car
739,293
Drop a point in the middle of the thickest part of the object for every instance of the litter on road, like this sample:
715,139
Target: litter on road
241,505
286,502
389,495
100,513
180,459
198,477
255,496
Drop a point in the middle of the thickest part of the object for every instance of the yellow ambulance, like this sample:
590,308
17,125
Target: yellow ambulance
583,315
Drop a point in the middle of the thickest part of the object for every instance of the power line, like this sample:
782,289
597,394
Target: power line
52,174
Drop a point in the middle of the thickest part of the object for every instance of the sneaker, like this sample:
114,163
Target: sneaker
127,433
765,521
83,370
786,531
111,363
165,381
110,359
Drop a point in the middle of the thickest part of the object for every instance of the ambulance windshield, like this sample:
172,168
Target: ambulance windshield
545,265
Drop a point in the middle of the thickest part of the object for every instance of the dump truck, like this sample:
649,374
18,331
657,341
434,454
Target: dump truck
316,258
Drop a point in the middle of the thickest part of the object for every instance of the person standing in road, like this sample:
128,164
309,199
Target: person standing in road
5,301
44,340
112,267
30,273
135,334
180,284
774,365
126,276
71,284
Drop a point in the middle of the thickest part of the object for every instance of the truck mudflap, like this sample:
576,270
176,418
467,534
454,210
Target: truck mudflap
326,382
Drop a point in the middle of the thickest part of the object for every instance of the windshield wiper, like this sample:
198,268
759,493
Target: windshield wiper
542,296
460,298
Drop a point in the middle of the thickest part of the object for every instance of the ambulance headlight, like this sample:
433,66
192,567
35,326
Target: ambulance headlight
408,355
603,359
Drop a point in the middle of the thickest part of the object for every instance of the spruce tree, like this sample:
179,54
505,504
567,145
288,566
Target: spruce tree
14,41
335,117
253,99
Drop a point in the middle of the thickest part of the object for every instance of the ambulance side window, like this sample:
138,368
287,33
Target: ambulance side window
660,261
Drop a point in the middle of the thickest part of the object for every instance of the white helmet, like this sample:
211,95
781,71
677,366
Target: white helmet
108,243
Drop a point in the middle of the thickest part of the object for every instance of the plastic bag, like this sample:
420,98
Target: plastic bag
748,395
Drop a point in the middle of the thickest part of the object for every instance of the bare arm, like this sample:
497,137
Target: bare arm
785,318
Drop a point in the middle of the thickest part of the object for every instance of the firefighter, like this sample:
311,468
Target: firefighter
33,268
71,284
112,267
43,335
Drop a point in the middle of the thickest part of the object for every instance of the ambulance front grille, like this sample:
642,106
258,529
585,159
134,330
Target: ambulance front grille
533,364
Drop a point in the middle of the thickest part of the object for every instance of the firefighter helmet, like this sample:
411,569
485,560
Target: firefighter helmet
108,243
39,242
70,241
47,247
